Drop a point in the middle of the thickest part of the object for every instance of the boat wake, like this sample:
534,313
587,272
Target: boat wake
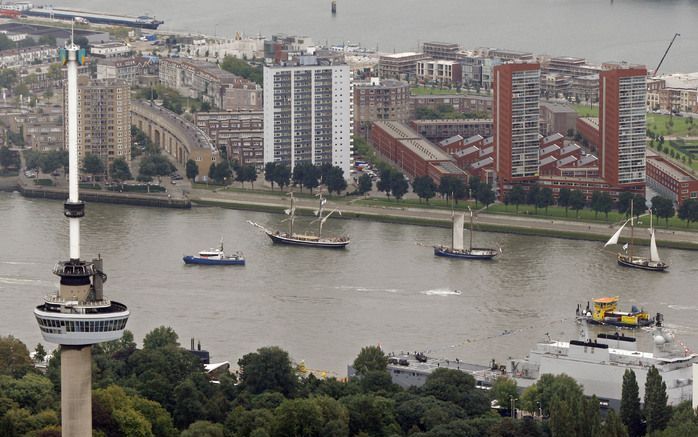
18,281
18,263
367,289
441,292
683,307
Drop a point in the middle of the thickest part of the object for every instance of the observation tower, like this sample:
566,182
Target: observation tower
78,314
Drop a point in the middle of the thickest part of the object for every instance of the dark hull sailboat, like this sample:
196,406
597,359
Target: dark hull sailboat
629,259
457,250
474,253
292,239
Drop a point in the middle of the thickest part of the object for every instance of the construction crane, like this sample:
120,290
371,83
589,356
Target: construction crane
665,53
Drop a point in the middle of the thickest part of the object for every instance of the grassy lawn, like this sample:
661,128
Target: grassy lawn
266,192
586,110
43,182
425,91
554,212
667,125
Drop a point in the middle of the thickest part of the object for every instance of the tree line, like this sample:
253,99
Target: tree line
162,389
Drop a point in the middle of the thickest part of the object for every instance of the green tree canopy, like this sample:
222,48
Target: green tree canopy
623,204
485,194
577,201
365,184
503,390
656,410
457,387
630,412
93,165
282,176
689,211
663,207
385,181
334,180
269,172
162,336
399,185
155,165
370,358
14,357
454,186
120,170
192,169
424,187
267,369
242,68
516,196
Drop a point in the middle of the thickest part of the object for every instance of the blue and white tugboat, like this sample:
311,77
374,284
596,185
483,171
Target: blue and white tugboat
307,240
215,257
456,250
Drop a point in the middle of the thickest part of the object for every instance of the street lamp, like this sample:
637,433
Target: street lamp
513,400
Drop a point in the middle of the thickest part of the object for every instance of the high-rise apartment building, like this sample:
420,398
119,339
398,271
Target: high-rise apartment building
516,121
622,124
308,113
104,119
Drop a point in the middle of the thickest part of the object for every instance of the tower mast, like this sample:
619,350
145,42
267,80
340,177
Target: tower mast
77,315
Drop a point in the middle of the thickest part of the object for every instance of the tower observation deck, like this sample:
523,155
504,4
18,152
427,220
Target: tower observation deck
77,315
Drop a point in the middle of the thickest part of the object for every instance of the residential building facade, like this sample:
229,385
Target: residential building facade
308,114
241,134
622,124
440,71
380,100
207,81
441,50
104,120
400,66
516,120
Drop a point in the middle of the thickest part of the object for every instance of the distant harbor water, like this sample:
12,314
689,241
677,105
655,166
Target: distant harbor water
324,306
601,30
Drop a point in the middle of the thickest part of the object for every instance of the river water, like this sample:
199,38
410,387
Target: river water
601,30
323,306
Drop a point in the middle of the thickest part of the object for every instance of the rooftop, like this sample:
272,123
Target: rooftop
447,167
672,170
549,149
467,151
413,141
461,121
402,55
482,163
451,140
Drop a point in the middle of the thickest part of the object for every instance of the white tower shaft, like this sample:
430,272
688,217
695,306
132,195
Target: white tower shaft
72,64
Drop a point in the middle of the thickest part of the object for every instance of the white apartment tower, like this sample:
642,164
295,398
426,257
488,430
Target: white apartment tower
308,114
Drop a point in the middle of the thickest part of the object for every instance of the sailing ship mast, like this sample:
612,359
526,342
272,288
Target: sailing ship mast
632,229
471,229
319,215
291,212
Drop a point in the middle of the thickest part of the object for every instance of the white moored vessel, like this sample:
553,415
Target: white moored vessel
598,365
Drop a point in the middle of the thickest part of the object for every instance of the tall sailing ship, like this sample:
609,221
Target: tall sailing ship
457,249
309,240
628,258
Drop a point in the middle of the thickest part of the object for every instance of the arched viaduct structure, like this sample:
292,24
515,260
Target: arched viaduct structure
174,135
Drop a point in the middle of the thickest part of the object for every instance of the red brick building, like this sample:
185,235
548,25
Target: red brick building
516,112
410,152
622,125
670,180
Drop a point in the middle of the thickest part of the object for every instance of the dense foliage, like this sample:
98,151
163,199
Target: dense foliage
162,390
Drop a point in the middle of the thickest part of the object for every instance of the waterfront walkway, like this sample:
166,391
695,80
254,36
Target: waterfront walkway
494,222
